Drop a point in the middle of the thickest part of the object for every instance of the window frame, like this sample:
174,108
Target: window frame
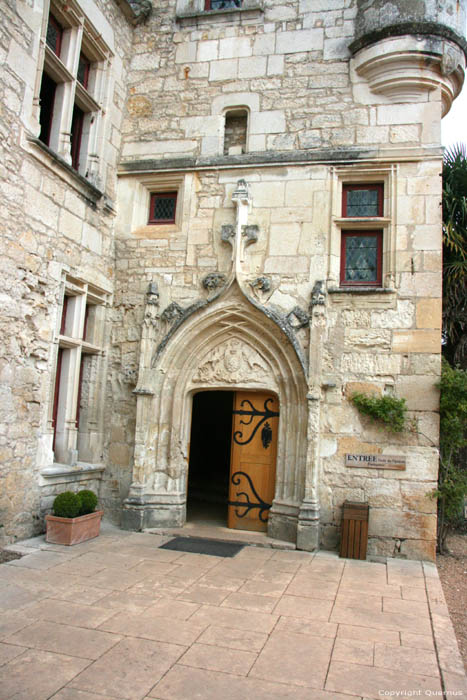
379,235
363,175
80,340
80,43
172,194
355,186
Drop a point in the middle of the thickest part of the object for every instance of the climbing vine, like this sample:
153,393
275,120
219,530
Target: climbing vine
452,478
389,411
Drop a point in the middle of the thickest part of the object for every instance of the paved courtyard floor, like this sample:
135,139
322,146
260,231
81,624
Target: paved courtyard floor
118,617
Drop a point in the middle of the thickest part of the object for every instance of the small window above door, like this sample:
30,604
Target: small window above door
162,208
235,131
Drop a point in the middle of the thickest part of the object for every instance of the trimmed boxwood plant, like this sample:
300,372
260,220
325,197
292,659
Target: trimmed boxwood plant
72,505
67,505
88,501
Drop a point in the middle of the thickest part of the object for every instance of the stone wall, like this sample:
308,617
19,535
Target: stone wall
52,223
289,66
386,341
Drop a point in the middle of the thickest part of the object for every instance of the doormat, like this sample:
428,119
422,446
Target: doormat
198,545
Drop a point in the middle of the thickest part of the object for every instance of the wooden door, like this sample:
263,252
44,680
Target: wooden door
253,459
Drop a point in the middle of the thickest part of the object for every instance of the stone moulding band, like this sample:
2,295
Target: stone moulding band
408,28
257,159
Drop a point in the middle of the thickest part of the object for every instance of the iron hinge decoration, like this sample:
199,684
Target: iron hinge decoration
252,413
248,505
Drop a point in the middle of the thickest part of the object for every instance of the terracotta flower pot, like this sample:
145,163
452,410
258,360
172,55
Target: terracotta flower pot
73,530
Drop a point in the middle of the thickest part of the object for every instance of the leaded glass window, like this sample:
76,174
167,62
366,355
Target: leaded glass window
84,67
360,201
222,4
162,208
53,37
361,258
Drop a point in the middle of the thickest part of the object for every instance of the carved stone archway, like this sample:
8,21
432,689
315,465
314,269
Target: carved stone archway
231,345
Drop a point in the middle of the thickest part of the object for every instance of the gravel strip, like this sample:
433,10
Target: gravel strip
452,570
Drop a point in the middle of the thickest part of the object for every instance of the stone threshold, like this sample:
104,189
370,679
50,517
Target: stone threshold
217,532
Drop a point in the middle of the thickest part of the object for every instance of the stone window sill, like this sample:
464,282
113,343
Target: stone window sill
368,222
60,166
63,472
361,290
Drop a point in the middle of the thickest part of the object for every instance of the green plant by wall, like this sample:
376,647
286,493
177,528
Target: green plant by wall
66,505
88,501
389,411
452,478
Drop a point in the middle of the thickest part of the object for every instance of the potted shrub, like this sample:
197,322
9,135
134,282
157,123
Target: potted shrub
75,518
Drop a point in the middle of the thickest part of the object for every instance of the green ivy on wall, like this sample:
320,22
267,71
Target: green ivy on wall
388,411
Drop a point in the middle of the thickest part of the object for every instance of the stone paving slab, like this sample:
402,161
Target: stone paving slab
118,618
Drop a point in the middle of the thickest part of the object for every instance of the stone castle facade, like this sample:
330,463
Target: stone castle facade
238,196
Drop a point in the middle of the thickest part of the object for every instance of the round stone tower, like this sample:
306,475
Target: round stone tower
405,49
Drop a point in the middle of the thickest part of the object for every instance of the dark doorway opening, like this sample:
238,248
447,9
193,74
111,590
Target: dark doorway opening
209,466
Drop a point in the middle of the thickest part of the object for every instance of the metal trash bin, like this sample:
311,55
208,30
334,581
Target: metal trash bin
354,530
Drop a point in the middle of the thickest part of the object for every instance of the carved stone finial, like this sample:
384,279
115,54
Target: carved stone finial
318,294
152,295
250,232
214,280
172,313
241,193
141,9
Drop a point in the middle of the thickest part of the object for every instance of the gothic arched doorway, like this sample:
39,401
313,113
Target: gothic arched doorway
227,346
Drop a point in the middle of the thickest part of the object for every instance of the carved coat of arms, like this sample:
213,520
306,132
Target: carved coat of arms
231,363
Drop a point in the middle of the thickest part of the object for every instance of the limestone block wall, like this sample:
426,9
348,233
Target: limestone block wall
378,341
52,223
290,66
325,107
